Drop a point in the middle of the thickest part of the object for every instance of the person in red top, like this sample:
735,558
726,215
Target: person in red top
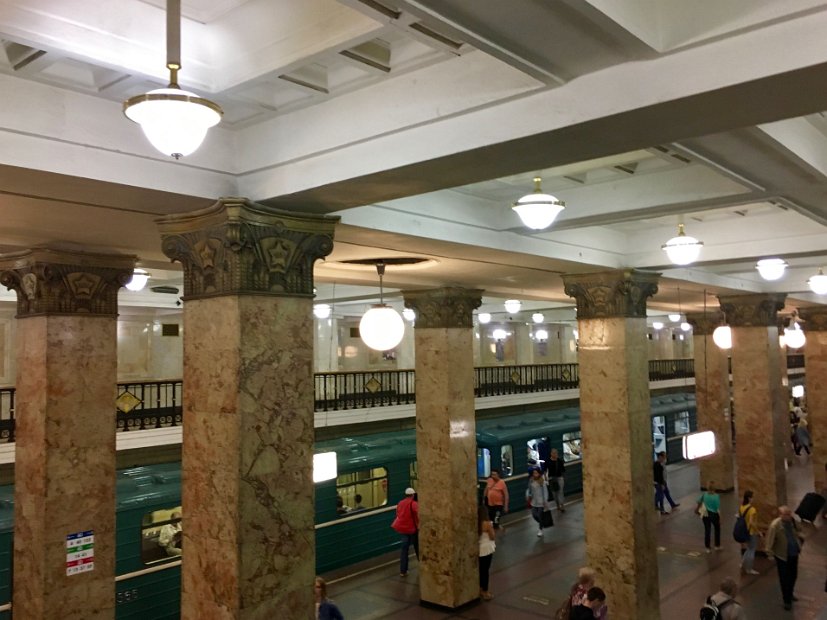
407,524
496,498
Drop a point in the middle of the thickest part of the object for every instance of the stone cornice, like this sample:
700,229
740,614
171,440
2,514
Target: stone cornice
238,247
704,323
450,306
49,282
611,294
815,318
752,310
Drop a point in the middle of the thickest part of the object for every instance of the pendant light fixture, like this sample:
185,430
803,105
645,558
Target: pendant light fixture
794,337
538,317
139,279
538,210
175,121
321,311
771,268
722,336
818,283
682,250
381,327
484,318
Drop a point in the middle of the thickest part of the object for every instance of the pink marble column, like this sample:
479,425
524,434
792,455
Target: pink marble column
815,361
248,512
617,437
760,408
712,398
67,307
446,445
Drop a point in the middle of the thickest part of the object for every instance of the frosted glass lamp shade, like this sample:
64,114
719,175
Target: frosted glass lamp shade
538,317
512,306
818,283
381,328
794,337
657,325
541,335
538,210
409,315
722,336
484,318
499,334
771,268
683,249
686,326
321,311
138,281
674,317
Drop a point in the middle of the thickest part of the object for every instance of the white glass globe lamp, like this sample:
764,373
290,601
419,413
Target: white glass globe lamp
499,334
657,325
794,336
409,314
682,250
538,317
722,336
674,317
686,326
139,279
484,318
771,268
538,210
512,306
321,311
381,327
541,335
818,283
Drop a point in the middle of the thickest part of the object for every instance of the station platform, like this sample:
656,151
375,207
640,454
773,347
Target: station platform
530,576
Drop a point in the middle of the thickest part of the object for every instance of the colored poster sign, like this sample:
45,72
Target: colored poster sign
80,552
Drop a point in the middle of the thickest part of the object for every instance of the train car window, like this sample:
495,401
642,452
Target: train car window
483,462
506,461
361,490
161,535
658,435
682,423
572,447
537,452
413,474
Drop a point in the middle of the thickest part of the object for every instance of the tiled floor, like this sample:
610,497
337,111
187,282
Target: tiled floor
531,576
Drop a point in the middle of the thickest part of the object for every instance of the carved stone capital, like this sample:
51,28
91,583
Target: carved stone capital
753,309
65,282
611,294
815,318
238,247
451,306
704,323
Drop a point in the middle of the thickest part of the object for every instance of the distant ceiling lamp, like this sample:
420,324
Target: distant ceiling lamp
538,210
499,334
381,327
484,318
685,326
175,121
682,250
538,317
321,311
657,325
771,268
818,283
722,336
512,306
541,335
798,391
794,336
409,315
139,279
674,317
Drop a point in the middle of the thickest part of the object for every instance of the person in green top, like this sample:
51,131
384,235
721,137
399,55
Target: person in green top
709,505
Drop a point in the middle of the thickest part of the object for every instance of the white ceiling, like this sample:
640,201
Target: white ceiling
419,122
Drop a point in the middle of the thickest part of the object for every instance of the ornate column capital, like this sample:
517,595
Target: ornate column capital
704,323
65,282
611,294
753,309
238,247
450,306
815,318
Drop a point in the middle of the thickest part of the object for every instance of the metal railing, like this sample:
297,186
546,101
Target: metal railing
523,379
357,390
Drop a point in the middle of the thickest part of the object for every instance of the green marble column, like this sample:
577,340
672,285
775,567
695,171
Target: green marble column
248,512
617,437
67,308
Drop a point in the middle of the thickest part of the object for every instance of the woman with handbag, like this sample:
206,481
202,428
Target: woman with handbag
536,496
709,505
485,529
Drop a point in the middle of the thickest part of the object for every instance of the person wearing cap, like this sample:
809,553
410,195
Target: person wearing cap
407,524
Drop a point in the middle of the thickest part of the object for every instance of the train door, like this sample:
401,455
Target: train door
658,435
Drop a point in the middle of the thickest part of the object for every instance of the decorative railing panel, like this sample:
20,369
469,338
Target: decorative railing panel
523,379
149,404
357,390
664,370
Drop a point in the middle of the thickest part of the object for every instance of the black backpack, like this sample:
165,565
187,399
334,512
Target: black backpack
740,531
711,611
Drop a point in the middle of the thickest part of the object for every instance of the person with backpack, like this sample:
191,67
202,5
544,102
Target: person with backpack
746,532
722,605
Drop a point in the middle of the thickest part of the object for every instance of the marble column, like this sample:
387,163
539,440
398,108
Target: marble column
617,436
712,398
760,408
815,362
249,549
446,445
67,307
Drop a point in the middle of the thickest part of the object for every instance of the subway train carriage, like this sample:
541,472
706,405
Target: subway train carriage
353,512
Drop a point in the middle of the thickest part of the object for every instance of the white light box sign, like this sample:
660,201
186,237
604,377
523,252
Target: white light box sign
698,445
324,466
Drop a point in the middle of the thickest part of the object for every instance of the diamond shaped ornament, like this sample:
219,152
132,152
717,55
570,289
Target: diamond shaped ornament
127,401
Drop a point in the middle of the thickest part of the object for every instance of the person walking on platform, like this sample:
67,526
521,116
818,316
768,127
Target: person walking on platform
407,524
724,601
591,607
325,608
709,505
496,498
556,471
485,529
661,488
537,498
784,542
750,515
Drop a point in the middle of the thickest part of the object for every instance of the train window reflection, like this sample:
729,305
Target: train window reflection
483,462
413,474
682,423
161,535
572,447
658,434
361,490
506,461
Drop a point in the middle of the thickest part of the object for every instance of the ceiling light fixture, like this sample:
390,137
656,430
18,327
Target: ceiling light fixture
541,335
409,315
139,279
657,325
321,311
484,318
512,306
381,327
674,317
771,268
722,336
538,210
685,326
682,250
794,336
538,317
175,121
818,283
499,334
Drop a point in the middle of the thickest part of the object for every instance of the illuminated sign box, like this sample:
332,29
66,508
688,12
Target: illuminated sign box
698,445
324,466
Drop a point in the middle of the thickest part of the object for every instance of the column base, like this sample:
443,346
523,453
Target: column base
428,605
